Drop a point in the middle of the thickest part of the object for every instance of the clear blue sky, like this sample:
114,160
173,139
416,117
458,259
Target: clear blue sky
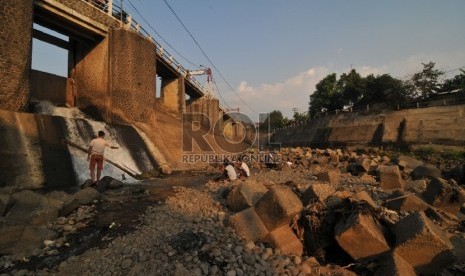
273,52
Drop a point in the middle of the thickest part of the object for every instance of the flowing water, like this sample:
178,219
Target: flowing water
80,129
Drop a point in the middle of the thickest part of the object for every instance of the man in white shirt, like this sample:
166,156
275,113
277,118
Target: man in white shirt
95,155
245,167
230,171
242,168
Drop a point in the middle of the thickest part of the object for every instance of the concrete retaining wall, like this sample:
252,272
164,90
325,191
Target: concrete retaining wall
33,154
437,125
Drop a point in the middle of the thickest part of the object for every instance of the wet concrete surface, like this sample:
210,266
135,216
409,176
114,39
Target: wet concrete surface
118,213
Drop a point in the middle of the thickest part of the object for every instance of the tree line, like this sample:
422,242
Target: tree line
351,90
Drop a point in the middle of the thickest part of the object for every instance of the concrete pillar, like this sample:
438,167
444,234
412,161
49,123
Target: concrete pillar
173,94
15,53
132,71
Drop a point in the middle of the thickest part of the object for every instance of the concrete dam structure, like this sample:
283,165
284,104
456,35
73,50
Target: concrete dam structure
113,70
442,125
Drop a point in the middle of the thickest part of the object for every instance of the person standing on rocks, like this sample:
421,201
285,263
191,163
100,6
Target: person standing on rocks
95,155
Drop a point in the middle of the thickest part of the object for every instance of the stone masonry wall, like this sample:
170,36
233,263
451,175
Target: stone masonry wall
133,71
15,53
92,80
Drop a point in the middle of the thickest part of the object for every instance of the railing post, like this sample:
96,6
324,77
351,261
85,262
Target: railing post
137,27
128,24
418,105
161,51
110,7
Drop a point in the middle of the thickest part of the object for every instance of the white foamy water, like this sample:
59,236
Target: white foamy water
79,126
120,156
46,107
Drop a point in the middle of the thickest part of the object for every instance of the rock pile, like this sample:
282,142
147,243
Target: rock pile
329,211
376,208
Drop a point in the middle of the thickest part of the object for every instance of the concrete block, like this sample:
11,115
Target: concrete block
363,195
283,238
408,202
278,206
422,244
318,191
360,236
248,225
245,195
390,177
363,164
394,265
332,176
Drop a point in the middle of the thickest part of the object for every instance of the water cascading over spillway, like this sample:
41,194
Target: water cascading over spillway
131,155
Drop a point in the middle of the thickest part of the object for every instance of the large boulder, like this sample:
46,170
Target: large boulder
5,201
408,163
422,244
87,196
278,206
33,209
425,171
440,193
108,182
20,240
245,195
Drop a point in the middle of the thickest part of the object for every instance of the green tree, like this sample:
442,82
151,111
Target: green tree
457,82
275,119
352,87
297,117
385,89
427,81
326,97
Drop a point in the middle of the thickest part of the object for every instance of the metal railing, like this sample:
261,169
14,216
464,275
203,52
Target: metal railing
111,8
